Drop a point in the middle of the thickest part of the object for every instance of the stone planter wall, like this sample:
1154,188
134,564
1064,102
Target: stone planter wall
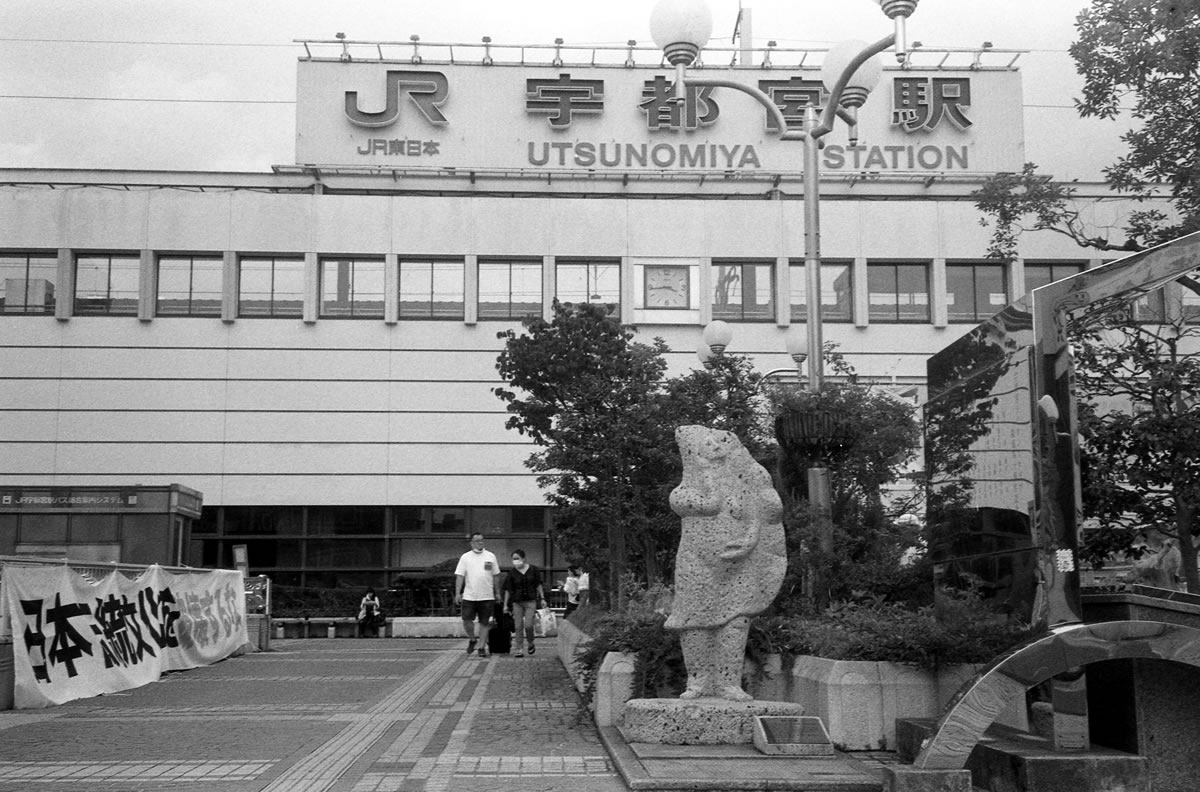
859,701
614,681
568,641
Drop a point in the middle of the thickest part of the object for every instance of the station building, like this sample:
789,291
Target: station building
311,350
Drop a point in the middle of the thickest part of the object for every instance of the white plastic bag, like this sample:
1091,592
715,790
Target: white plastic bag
545,622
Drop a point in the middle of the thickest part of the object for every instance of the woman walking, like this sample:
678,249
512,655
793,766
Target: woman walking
523,595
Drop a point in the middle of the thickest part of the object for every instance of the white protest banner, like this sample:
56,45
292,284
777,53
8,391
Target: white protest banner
73,638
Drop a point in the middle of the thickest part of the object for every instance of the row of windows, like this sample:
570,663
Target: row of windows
273,286
353,288
297,521
365,545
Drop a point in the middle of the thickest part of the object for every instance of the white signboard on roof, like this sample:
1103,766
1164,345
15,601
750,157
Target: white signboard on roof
592,118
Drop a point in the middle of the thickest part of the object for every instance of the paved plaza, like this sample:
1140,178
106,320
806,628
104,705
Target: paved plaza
312,715
386,715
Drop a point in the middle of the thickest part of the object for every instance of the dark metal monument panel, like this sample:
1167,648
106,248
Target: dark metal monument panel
981,446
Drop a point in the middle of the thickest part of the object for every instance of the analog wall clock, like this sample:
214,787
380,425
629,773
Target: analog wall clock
667,287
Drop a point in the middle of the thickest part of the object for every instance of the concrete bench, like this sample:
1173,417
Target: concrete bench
322,627
394,627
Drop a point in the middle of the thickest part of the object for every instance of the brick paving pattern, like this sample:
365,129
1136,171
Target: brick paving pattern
402,715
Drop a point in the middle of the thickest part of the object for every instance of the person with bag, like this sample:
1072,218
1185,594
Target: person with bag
576,585
475,591
523,595
368,615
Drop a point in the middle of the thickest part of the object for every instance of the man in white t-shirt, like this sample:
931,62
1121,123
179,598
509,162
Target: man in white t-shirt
476,591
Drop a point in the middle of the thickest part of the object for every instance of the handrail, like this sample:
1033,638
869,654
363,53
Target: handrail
622,55
91,566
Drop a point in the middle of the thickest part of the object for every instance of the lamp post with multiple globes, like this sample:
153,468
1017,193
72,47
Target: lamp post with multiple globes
849,72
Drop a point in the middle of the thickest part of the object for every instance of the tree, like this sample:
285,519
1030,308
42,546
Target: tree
603,412
1139,420
1140,54
882,437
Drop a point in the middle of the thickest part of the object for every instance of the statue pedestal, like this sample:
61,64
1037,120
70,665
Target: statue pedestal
700,721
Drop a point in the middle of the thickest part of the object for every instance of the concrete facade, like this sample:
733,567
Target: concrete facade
312,411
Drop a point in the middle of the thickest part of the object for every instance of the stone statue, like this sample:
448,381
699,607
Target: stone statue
731,558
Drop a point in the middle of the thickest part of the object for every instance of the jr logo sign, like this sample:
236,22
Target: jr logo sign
427,90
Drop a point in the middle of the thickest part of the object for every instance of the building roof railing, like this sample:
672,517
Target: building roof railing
92,570
630,55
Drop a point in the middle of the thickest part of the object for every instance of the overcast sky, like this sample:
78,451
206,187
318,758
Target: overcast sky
164,84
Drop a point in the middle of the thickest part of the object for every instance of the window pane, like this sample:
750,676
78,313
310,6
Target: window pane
743,292
174,287
490,521
288,298
343,520
255,286
449,521
572,283
991,290
416,288
368,289
837,296
526,290
336,293
448,289
529,519
1039,275
352,288
94,528
760,291
974,291
882,298
271,287
206,286
339,554
912,283
960,291
12,283
408,519
898,292
589,282
270,520
189,285
493,290
509,290
727,291
125,279
836,293
43,528
606,283
91,278
106,285
27,284
431,289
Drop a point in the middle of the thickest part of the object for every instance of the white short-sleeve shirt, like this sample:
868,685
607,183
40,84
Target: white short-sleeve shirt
478,581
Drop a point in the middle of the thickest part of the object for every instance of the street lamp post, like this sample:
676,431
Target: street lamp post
681,28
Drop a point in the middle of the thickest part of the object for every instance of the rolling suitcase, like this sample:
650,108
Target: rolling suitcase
500,636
